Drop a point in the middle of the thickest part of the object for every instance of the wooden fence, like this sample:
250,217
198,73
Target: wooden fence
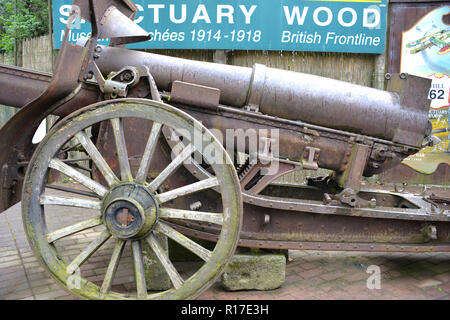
37,54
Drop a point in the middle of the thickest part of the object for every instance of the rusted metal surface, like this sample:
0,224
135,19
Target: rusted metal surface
352,130
295,137
279,218
305,229
21,86
192,94
320,245
25,86
16,135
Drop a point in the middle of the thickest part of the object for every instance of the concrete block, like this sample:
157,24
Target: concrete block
155,275
180,253
251,271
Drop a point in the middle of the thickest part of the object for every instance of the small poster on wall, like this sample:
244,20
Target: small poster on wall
425,51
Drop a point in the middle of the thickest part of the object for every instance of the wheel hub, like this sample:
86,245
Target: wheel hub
130,211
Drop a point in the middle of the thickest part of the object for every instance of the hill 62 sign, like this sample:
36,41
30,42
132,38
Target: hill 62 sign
297,25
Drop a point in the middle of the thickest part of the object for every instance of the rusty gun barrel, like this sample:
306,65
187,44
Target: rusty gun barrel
401,117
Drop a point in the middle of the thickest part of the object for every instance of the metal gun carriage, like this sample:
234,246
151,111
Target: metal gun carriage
191,150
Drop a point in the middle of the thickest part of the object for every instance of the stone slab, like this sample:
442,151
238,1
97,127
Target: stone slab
155,275
255,272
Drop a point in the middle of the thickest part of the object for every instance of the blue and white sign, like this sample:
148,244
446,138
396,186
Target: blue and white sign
292,25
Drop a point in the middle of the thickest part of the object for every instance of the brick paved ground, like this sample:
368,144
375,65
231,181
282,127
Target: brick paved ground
309,274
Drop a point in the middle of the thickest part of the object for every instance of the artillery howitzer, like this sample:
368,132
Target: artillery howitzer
141,120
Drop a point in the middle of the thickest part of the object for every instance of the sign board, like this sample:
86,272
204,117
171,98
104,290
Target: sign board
294,25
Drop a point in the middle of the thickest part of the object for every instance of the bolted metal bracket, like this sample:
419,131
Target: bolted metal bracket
310,158
118,84
351,176
195,95
348,196
429,232
257,175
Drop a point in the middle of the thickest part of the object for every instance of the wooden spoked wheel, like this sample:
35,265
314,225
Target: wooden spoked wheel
127,207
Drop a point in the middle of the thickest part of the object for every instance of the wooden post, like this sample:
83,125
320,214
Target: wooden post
220,56
379,70
50,119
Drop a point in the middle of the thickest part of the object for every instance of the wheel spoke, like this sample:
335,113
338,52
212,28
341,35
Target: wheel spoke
95,155
124,189
76,165
141,176
174,276
72,190
86,253
170,213
112,267
191,188
77,227
122,153
139,271
70,202
75,160
69,148
192,246
170,169
77,176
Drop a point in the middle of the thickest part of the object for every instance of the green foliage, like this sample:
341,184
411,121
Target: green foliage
21,19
